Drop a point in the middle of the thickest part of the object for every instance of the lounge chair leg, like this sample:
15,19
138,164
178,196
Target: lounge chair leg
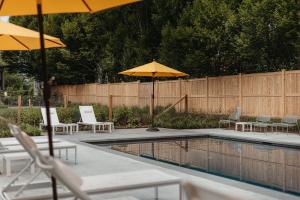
156,193
27,183
180,191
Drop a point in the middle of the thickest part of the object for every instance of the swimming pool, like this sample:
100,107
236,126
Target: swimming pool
271,165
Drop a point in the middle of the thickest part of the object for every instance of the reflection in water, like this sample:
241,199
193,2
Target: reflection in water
270,166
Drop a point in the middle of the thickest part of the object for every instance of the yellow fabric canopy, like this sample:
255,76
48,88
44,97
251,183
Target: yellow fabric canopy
153,69
28,7
13,37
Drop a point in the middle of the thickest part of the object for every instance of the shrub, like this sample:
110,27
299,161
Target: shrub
31,116
9,114
68,115
31,130
4,130
173,119
101,112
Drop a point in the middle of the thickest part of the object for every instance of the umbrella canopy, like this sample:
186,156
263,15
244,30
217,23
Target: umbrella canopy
153,69
13,37
28,7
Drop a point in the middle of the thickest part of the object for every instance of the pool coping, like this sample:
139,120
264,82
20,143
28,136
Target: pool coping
237,138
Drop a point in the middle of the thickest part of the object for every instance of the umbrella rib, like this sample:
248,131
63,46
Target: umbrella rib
19,42
1,4
54,42
86,5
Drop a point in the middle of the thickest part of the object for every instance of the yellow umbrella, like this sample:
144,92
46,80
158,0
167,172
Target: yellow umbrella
153,69
40,7
13,37
29,7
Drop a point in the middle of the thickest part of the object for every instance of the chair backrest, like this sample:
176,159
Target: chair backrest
236,114
290,119
53,116
49,165
24,139
87,114
63,173
263,118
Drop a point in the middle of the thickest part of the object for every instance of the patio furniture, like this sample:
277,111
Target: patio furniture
287,122
81,187
55,122
88,118
262,122
245,126
59,146
9,159
14,142
232,119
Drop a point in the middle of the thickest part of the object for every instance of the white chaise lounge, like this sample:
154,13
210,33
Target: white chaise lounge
88,118
82,187
55,122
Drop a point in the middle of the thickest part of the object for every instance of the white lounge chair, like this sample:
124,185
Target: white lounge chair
55,122
287,122
82,187
88,118
232,119
262,122
13,142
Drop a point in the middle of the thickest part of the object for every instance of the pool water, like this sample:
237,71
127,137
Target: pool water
276,167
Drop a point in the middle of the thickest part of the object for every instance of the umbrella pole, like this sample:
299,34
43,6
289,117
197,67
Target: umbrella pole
152,128
46,91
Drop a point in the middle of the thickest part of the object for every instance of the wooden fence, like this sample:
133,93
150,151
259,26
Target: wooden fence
275,94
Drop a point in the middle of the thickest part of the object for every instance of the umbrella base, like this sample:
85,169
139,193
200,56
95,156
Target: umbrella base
152,129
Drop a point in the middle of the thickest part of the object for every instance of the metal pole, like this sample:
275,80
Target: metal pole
47,92
152,117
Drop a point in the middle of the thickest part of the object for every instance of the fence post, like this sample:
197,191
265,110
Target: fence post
19,108
65,101
283,92
186,104
240,91
29,102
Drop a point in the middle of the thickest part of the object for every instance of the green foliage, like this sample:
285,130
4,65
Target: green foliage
200,37
101,112
4,130
128,117
31,116
173,119
31,130
9,114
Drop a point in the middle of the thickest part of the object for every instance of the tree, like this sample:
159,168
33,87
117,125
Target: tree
199,37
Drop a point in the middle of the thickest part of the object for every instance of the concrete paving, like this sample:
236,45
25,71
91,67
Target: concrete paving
95,159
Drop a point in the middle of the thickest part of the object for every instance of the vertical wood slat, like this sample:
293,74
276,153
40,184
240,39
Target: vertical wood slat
275,93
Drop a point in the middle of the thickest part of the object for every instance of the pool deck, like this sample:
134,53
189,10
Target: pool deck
102,160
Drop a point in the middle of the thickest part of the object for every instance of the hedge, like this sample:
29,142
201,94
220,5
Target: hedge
123,117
